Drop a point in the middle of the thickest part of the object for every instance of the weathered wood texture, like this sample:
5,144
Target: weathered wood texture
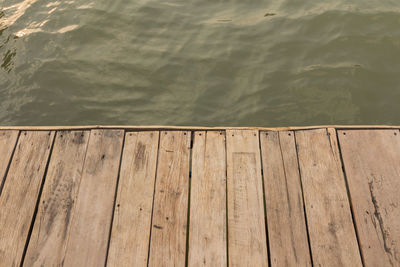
284,200
372,164
47,243
207,235
20,193
132,215
91,219
331,230
96,197
8,141
169,225
246,220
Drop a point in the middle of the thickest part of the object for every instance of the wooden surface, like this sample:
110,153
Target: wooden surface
201,196
169,225
51,226
20,193
247,244
372,164
284,200
331,230
132,215
207,235
8,139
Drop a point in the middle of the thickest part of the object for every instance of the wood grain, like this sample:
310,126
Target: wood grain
132,215
20,193
169,225
372,163
331,230
246,223
8,140
207,234
50,231
91,221
284,200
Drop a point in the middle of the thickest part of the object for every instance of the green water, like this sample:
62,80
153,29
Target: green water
200,62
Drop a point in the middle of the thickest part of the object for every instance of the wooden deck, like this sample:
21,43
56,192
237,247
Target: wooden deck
122,196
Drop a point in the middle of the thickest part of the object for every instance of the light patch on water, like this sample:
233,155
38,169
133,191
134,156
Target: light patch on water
6,22
68,28
56,3
87,6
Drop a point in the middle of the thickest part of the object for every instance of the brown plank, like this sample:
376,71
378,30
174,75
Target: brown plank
168,233
246,223
207,233
8,140
132,215
287,229
372,163
47,243
330,225
20,193
91,221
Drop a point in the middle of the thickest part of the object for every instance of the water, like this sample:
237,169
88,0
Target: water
200,62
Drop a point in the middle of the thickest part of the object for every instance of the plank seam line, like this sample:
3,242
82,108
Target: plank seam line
302,195
154,192
226,201
350,199
264,201
38,201
189,195
115,197
9,163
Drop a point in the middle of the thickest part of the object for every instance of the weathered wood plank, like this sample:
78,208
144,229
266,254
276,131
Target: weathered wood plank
331,230
8,140
246,220
168,234
287,229
372,163
20,193
50,231
207,233
91,221
130,235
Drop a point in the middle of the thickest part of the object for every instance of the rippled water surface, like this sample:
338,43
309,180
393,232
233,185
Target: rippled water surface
199,62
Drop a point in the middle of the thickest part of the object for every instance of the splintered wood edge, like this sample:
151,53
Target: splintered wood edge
192,128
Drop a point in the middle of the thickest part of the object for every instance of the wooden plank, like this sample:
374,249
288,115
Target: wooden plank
287,229
330,225
168,234
246,223
207,233
132,215
91,221
47,243
20,193
372,163
8,140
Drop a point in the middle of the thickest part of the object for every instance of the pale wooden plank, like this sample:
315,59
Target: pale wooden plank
132,215
330,225
168,233
91,221
372,163
207,232
20,193
246,220
287,229
8,140
47,243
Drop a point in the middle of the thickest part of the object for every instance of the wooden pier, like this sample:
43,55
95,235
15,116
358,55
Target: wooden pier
176,196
